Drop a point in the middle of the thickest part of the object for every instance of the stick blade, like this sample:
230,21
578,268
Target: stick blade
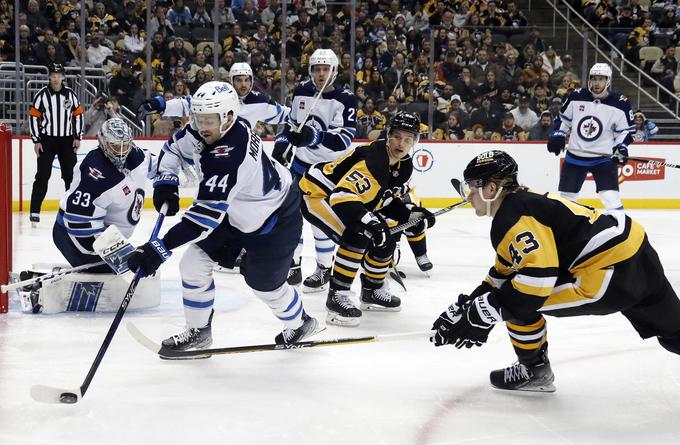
458,186
49,394
142,339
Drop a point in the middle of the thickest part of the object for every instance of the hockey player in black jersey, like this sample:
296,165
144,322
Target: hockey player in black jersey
343,198
559,258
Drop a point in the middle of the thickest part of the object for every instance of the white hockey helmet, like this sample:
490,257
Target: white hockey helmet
216,97
324,57
115,140
601,69
241,69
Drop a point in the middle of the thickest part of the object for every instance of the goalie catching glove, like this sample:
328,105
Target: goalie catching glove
467,322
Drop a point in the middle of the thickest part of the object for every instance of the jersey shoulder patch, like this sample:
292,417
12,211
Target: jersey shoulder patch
617,100
97,173
255,97
305,88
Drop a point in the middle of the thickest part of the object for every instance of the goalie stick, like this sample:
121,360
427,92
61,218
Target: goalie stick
49,394
631,158
205,353
48,276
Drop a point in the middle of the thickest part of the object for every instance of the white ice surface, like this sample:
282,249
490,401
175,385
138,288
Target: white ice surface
612,387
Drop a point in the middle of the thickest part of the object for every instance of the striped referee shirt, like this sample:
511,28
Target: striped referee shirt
56,114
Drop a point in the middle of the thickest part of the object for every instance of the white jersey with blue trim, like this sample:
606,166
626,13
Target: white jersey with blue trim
334,116
255,107
237,181
596,125
101,195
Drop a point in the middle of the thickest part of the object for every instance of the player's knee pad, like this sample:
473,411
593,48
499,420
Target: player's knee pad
196,267
84,292
611,199
570,196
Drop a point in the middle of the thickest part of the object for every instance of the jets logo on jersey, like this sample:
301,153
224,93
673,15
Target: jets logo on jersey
96,174
589,128
222,151
135,211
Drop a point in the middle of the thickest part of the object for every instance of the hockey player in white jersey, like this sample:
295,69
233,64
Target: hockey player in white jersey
599,122
244,201
107,189
328,130
255,106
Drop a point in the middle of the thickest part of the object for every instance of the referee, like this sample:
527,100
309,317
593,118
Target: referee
56,124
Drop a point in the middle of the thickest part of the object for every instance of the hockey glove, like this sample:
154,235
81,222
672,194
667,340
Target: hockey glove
375,229
149,257
394,193
427,218
282,152
462,325
620,154
166,189
557,140
308,136
154,105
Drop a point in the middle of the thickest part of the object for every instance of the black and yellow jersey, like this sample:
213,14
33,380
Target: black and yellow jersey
355,183
538,238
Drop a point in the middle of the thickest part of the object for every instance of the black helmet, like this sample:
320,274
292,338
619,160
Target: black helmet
494,164
56,68
405,121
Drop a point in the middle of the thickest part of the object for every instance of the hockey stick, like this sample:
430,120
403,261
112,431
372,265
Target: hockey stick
650,161
205,353
48,394
49,276
309,113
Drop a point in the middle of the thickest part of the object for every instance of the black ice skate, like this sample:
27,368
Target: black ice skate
35,219
520,377
190,338
424,262
310,326
341,310
295,274
318,281
379,300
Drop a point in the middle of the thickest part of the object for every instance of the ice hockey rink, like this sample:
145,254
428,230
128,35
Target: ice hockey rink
612,387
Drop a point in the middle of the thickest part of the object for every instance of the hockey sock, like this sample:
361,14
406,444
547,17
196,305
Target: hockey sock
611,199
198,302
285,303
297,256
375,268
325,247
418,243
528,339
570,196
345,267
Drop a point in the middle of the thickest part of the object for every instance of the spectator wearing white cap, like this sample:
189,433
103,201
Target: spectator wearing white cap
524,116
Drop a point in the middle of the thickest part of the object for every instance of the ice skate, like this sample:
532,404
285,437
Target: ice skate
295,274
424,263
520,377
318,281
190,338
35,219
310,326
341,310
379,300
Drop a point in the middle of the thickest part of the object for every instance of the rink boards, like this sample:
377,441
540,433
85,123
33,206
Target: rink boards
435,163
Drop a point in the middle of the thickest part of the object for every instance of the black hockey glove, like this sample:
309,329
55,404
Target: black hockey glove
557,140
620,154
166,189
427,218
282,152
149,257
375,229
394,193
462,325
155,105
307,136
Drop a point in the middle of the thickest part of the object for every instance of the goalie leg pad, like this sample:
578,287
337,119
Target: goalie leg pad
82,292
198,286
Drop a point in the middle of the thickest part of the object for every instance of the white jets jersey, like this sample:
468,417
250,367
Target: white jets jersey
255,107
237,181
596,125
334,116
100,195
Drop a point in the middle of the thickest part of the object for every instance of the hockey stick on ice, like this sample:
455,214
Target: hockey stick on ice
205,353
309,113
631,158
49,276
48,394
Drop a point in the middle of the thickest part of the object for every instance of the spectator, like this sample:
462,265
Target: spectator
477,133
369,120
391,107
160,24
364,74
199,65
125,86
199,79
452,130
408,89
509,131
180,89
482,66
102,18
542,129
96,53
535,40
448,70
510,69
490,88
179,74
644,129
486,116
102,109
248,17
134,42
515,18
129,18
533,72
465,86
34,17
540,100
554,108
375,87
179,15
551,61
72,50
524,116
665,69
201,18
566,87
179,51
392,77
567,67
526,56
270,12
506,100
113,62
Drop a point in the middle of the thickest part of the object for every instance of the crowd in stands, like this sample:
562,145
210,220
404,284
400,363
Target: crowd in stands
495,76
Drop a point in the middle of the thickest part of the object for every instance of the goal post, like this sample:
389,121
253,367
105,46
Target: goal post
5,210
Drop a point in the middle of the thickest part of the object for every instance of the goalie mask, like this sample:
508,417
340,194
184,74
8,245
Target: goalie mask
115,140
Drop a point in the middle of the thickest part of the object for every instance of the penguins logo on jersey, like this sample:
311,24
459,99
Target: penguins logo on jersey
589,128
